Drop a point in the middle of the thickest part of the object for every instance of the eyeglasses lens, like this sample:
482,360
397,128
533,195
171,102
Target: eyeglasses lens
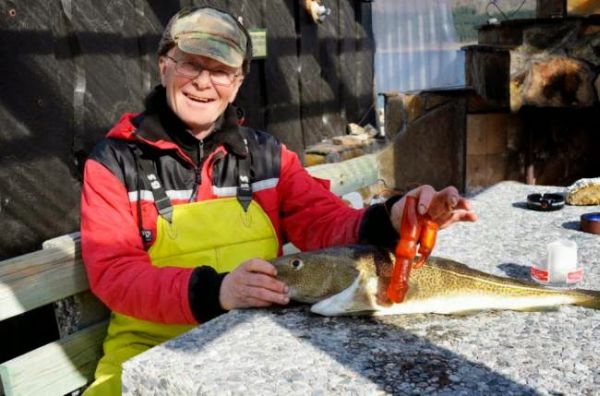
190,69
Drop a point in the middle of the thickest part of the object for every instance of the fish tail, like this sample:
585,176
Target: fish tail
588,299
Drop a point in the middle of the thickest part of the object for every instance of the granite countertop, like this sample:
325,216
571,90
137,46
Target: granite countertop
294,352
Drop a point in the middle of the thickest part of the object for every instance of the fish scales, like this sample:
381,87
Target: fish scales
352,280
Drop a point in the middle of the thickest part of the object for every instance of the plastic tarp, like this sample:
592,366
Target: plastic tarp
416,46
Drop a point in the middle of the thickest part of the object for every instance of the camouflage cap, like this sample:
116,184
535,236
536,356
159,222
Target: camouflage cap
208,32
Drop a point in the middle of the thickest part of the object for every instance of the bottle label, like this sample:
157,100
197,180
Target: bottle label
575,276
539,274
543,275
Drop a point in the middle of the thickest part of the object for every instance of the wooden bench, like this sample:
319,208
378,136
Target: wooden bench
54,274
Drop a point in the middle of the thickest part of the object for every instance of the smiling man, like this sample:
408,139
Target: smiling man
181,206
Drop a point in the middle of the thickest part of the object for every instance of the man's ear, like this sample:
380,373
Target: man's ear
234,93
162,69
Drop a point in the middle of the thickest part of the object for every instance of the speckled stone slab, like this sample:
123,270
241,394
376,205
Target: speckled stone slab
509,238
293,352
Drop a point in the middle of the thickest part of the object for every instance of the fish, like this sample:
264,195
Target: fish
352,280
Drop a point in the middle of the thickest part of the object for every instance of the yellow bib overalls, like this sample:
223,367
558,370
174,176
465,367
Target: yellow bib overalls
219,233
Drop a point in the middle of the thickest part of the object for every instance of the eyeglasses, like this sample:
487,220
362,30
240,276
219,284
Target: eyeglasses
193,70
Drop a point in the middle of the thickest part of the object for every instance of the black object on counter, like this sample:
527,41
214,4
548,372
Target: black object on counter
545,202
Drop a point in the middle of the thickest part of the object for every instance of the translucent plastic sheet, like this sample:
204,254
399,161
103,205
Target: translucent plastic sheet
416,45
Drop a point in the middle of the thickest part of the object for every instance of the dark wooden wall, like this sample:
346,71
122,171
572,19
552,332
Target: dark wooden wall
71,68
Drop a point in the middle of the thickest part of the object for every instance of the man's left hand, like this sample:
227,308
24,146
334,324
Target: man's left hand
445,207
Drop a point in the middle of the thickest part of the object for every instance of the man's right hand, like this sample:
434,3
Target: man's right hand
252,284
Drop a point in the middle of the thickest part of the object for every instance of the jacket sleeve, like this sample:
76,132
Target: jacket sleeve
376,226
312,217
119,269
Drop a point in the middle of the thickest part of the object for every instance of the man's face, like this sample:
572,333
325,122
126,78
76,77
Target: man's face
197,100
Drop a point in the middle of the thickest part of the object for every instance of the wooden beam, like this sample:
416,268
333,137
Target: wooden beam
349,175
345,177
39,278
56,368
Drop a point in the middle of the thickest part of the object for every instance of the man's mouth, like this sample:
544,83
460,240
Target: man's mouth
198,99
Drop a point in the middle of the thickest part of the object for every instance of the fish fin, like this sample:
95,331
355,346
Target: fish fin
352,300
591,298
539,309
466,312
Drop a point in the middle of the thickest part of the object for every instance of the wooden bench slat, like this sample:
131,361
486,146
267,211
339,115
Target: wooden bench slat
56,368
64,241
39,278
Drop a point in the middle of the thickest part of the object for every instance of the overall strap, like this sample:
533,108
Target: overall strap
146,235
244,190
161,200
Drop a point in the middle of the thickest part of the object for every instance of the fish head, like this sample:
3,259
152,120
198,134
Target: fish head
313,276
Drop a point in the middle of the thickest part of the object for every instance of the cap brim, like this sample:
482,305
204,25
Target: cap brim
214,49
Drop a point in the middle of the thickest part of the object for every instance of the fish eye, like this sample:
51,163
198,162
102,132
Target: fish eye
297,263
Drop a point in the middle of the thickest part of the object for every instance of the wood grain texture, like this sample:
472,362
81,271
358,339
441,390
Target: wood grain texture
350,175
39,278
282,69
56,368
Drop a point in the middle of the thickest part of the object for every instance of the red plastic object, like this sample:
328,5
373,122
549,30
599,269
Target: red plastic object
415,230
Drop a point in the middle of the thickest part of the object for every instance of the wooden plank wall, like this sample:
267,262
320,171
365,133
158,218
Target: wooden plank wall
73,67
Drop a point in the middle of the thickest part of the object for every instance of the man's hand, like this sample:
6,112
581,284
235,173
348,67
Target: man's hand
252,284
445,207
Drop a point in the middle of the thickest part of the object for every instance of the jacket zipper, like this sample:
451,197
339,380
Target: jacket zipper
198,169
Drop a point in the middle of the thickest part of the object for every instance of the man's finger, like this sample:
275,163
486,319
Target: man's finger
261,266
255,302
266,282
456,216
443,203
261,294
464,204
446,199
425,195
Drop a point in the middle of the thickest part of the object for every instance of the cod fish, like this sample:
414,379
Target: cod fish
352,280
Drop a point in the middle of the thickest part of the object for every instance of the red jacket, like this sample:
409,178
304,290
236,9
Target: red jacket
119,269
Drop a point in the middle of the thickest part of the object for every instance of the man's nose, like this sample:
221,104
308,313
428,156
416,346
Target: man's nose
203,78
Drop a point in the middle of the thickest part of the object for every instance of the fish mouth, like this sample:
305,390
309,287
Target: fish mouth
296,295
